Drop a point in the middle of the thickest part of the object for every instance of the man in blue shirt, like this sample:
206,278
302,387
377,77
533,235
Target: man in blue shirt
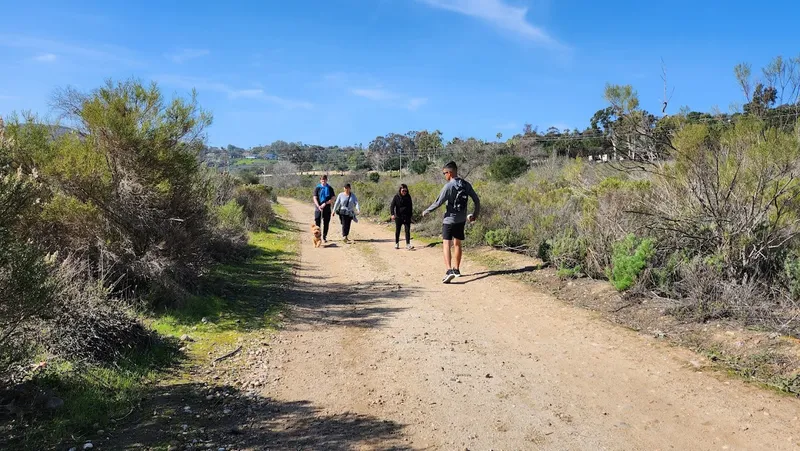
323,199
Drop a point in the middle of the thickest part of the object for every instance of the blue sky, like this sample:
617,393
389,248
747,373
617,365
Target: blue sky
342,72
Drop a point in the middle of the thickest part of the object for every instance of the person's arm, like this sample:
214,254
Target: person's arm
477,200
410,207
333,195
336,204
393,207
316,198
438,203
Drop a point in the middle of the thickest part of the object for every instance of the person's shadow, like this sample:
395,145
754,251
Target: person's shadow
501,272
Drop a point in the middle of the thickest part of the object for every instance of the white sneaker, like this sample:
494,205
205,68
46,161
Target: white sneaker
409,247
397,245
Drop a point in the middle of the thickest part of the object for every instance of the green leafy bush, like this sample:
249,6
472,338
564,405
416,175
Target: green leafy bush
506,168
791,273
504,237
629,258
374,177
231,216
668,273
256,204
419,166
133,173
568,254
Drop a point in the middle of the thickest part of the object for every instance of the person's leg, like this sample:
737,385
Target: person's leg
458,238
346,221
446,247
408,233
447,239
457,253
317,217
397,224
326,221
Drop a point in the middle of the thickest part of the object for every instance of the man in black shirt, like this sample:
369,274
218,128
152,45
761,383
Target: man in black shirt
323,198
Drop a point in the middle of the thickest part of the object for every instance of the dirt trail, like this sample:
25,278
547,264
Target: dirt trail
405,362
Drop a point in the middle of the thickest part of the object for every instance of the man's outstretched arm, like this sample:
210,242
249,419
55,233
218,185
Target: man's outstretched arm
477,200
438,203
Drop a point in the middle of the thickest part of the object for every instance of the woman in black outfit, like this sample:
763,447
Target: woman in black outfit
402,208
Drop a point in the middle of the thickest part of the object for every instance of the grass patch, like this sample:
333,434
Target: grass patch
238,299
95,397
235,300
766,368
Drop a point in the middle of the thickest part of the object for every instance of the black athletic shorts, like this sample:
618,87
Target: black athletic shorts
450,231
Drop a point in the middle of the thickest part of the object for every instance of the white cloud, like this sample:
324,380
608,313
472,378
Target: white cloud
390,98
105,53
501,15
416,102
373,94
184,55
45,58
231,92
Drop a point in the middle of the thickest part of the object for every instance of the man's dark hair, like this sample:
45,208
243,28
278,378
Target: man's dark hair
324,177
347,185
451,166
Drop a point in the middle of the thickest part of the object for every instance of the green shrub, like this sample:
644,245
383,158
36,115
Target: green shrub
629,258
568,254
504,237
791,273
666,275
249,176
255,201
506,168
374,177
138,174
231,216
419,166
570,273
543,251
373,206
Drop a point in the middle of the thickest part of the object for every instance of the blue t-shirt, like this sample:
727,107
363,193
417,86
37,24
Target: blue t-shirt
323,193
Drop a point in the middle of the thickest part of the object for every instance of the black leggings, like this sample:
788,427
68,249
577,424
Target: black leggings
346,221
399,223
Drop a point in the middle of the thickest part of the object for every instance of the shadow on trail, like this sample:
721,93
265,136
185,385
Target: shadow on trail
502,272
289,225
224,416
338,304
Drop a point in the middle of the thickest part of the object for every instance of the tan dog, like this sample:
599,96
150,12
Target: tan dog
317,235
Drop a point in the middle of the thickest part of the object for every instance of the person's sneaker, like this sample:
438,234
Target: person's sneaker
346,241
449,276
457,273
397,245
409,247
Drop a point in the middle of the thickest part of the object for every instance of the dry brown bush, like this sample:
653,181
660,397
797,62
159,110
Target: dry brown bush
86,323
257,205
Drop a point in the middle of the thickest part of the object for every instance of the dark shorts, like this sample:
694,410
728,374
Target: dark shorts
453,231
